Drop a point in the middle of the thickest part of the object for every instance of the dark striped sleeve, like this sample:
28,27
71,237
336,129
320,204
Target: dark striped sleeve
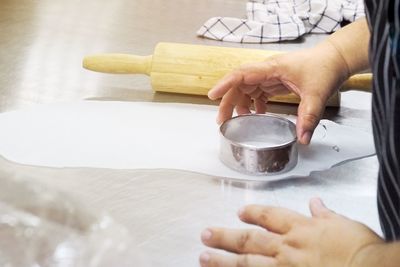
384,18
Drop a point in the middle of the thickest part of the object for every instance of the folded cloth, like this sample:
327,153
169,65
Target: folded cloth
278,20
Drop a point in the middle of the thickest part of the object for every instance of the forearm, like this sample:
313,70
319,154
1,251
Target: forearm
382,255
351,44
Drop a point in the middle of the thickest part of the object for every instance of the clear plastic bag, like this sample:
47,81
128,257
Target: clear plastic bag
41,227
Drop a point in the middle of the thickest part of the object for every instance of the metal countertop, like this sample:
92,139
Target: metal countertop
41,48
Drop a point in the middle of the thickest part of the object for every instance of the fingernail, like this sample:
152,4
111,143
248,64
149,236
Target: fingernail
318,207
316,201
206,235
204,257
306,137
219,119
320,202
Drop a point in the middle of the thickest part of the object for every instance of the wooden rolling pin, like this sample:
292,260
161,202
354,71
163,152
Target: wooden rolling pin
195,69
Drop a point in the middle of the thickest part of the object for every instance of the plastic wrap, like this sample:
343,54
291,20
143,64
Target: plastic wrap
42,227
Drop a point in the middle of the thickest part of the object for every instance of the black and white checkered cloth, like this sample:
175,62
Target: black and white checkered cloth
278,20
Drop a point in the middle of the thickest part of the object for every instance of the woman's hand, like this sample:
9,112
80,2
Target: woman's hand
312,74
290,239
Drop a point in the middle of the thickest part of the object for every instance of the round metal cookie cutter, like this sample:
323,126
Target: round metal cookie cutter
259,144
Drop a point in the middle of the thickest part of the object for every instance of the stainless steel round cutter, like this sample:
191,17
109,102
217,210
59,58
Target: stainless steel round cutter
259,144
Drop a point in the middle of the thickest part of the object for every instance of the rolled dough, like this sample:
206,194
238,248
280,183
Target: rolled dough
137,135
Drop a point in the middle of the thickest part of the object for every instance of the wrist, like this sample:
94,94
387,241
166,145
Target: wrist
333,61
342,64
376,254
351,44
362,256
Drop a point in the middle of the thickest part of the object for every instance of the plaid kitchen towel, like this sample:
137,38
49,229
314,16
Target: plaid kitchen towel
278,20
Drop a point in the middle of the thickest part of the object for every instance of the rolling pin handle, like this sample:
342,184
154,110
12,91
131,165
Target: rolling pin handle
118,63
359,82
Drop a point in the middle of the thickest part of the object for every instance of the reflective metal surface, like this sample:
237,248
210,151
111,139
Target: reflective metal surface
259,144
166,209
41,49
43,43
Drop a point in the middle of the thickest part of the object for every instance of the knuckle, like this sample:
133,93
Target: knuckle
311,118
299,227
243,261
282,260
264,217
215,263
243,241
282,256
278,64
274,61
310,121
291,241
238,74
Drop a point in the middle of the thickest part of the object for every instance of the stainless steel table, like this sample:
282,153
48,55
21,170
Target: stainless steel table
42,44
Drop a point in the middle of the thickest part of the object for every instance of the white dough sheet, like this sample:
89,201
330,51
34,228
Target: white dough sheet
137,135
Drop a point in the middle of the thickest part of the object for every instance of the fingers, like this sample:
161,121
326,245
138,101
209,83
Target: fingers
210,259
248,89
229,101
239,87
279,89
242,241
310,111
277,220
260,106
248,76
259,73
270,82
318,209
225,84
243,105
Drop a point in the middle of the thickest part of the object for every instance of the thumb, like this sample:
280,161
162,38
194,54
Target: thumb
310,111
318,208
